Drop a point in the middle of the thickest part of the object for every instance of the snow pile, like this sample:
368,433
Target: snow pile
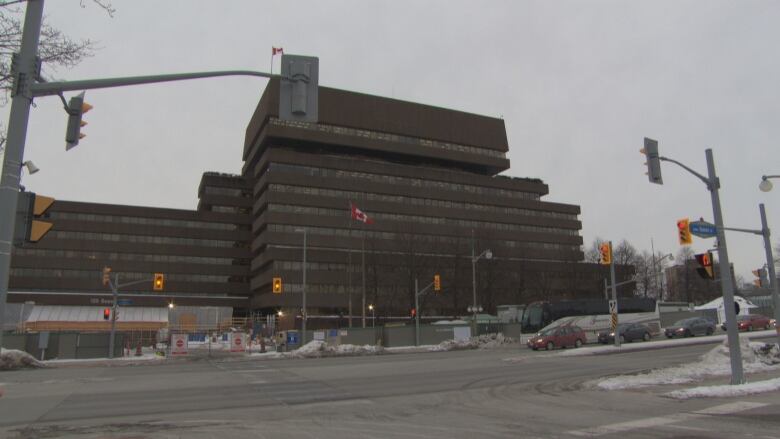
317,349
11,359
485,341
727,390
755,358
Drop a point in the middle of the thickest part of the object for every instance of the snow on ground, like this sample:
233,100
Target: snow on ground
144,357
727,390
660,344
11,359
756,357
317,349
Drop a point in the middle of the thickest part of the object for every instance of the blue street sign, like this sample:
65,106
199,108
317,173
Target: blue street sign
124,302
703,229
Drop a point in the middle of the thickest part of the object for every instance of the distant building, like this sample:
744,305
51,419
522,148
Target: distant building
684,284
427,178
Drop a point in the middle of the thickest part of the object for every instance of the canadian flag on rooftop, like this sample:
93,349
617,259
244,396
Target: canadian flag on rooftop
275,50
359,215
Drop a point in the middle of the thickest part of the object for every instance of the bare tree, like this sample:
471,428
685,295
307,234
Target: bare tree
55,49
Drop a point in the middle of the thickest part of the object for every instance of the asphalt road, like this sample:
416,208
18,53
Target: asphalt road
443,395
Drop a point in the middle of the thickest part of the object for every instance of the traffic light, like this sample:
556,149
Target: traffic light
653,161
413,313
762,280
76,109
705,265
29,207
106,313
684,232
436,282
277,285
159,282
106,276
605,253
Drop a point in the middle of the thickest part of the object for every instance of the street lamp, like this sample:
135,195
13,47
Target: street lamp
765,184
303,288
373,317
488,255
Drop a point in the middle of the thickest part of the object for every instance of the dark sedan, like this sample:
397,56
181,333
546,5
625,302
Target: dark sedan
690,327
627,332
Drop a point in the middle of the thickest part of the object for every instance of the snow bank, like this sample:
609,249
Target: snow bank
11,359
727,390
485,341
317,349
756,357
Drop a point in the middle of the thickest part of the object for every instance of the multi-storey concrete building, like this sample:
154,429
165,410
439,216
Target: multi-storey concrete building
427,177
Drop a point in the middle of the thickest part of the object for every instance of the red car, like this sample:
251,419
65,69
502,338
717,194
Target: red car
562,336
753,322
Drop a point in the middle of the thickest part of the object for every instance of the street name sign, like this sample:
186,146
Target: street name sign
703,229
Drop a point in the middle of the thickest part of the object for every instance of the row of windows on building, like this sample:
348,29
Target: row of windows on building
141,220
444,241
47,273
111,256
395,180
381,216
414,201
116,237
230,209
369,134
231,192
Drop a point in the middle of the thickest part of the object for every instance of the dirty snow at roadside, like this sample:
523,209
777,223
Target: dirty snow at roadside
756,357
727,390
11,359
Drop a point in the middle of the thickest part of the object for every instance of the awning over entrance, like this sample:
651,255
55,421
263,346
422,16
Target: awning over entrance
90,318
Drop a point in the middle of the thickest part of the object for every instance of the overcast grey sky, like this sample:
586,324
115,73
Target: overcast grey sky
578,84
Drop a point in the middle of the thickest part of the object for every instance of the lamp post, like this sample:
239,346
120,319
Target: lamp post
656,274
766,186
373,317
488,255
303,289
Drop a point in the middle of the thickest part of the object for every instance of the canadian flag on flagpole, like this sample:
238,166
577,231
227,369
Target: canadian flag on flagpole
359,215
275,50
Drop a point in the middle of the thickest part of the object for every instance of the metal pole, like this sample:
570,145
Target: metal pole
24,75
416,315
363,256
349,268
473,288
114,293
770,264
726,283
305,314
655,274
606,290
614,293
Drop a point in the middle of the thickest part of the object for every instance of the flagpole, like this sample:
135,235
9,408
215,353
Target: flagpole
349,265
364,274
272,62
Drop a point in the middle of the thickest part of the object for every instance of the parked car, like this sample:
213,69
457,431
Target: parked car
627,332
562,336
752,322
690,327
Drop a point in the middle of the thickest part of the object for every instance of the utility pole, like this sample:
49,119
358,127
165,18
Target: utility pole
114,296
616,316
305,313
770,264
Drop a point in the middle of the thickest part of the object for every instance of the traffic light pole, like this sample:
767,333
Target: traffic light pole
417,294
713,184
115,285
24,70
770,265
614,294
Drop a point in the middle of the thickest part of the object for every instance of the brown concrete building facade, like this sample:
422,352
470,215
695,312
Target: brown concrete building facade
427,177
